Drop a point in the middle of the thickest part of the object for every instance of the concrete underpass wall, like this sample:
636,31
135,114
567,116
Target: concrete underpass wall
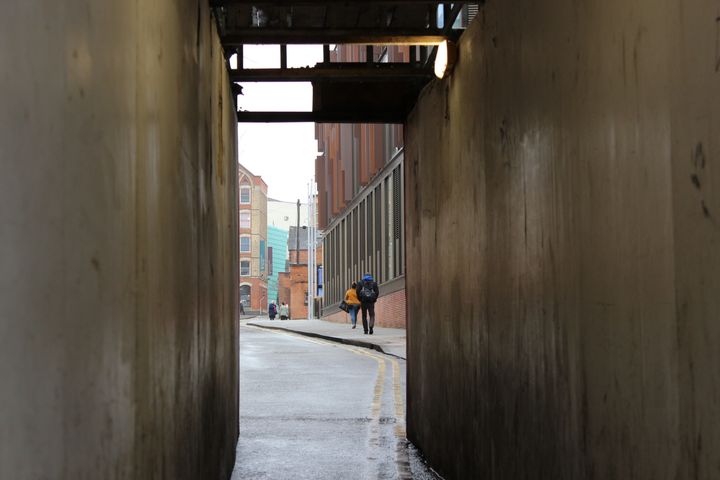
563,230
118,256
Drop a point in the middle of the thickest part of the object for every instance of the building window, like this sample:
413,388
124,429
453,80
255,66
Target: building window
245,244
245,295
245,219
245,268
245,195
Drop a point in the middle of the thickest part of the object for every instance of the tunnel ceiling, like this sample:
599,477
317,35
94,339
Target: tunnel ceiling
369,91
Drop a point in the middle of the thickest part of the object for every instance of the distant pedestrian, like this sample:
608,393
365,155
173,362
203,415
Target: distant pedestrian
284,311
272,310
368,292
353,303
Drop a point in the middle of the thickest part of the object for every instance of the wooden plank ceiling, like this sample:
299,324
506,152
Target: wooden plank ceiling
343,92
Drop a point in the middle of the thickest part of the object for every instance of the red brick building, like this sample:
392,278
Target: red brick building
360,179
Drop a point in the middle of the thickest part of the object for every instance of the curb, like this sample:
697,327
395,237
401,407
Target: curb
346,341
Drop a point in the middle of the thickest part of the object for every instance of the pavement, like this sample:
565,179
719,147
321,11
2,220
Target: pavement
391,341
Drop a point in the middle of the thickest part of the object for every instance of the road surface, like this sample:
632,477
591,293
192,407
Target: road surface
314,409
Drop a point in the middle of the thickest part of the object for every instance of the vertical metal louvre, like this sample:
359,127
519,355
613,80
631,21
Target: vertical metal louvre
397,219
377,222
369,237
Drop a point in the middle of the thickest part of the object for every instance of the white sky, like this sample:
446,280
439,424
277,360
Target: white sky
283,154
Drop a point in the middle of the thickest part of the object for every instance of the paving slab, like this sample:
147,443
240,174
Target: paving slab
391,341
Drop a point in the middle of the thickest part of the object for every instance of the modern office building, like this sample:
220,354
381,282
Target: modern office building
277,258
253,241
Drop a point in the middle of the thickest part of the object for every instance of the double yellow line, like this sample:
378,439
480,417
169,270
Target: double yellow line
397,389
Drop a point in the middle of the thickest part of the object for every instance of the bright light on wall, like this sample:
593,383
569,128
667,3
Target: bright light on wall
445,58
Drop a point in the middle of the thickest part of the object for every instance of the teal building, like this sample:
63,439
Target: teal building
277,253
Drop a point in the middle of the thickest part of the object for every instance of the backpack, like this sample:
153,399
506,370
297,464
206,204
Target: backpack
367,294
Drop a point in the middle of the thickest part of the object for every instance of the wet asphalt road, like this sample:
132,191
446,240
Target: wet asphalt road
312,409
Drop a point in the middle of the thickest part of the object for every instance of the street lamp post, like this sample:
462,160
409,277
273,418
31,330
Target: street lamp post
311,249
297,235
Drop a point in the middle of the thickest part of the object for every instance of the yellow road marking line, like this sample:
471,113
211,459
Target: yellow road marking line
399,404
378,391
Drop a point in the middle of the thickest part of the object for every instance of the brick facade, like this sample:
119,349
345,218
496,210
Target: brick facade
389,311
303,258
258,294
293,286
284,288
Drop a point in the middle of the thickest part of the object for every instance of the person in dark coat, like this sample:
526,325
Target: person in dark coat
367,292
272,310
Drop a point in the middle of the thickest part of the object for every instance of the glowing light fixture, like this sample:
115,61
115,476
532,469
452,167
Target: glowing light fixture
445,58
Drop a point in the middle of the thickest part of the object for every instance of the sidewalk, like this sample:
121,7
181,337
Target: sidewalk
385,340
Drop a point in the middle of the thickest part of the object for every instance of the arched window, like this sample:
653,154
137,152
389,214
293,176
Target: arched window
245,194
245,295
245,190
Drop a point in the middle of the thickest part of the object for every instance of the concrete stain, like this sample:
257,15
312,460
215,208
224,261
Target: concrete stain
698,157
695,181
705,210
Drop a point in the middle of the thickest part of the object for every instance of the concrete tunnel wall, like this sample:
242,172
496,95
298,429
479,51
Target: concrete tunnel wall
563,230
118,221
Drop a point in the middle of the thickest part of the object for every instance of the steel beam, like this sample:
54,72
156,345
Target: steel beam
319,117
339,3
451,15
323,36
334,71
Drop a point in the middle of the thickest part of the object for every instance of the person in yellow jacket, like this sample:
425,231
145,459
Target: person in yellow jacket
353,302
